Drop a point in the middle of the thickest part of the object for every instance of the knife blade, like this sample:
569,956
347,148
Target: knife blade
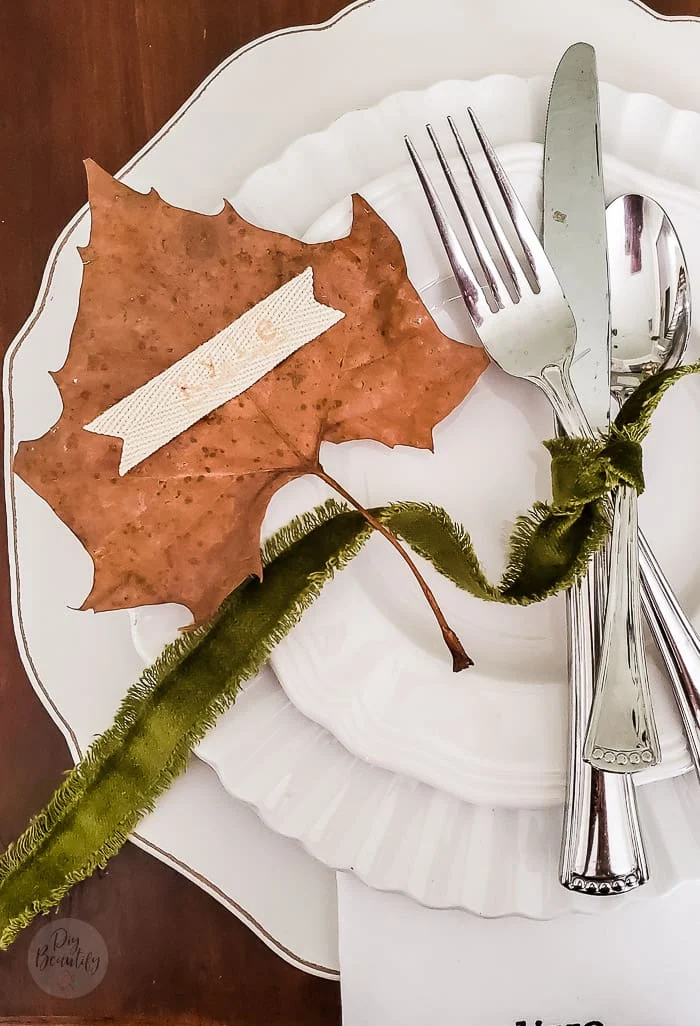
574,222
602,849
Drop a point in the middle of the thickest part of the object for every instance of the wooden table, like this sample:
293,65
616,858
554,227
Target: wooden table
100,77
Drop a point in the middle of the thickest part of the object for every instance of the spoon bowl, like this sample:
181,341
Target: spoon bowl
649,292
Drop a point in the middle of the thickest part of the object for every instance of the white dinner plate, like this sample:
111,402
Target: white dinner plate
240,117
345,810
366,661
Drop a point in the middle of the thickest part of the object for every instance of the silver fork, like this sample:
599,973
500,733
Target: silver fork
531,333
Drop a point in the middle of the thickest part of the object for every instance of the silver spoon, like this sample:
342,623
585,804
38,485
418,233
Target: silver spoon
649,293
650,319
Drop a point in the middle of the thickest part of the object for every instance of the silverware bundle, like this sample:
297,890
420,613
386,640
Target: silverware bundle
546,316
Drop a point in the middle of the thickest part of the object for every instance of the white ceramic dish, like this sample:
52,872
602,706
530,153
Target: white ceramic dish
345,810
232,124
366,661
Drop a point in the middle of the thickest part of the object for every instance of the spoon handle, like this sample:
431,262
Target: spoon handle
622,735
678,643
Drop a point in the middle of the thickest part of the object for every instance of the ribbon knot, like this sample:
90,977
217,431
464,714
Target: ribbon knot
584,470
551,545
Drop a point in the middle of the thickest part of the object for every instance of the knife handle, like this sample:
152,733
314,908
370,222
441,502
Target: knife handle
602,850
677,641
622,735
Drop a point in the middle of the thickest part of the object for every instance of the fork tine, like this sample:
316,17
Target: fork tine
521,222
504,247
480,248
468,284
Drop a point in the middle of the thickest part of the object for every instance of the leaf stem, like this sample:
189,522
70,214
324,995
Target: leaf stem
460,659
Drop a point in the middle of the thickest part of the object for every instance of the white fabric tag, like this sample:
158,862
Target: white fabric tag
220,369
405,965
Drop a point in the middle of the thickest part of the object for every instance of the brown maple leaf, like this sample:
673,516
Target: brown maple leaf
158,281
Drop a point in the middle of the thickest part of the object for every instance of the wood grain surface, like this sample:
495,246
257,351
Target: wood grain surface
100,77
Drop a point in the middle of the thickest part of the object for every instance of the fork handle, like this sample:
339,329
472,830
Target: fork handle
602,850
622,734
621,731
677,640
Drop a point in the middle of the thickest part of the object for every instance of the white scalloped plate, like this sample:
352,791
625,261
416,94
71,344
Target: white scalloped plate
233,123
393,831
366,661
398,834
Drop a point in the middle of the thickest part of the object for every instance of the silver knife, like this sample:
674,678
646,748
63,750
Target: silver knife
602,849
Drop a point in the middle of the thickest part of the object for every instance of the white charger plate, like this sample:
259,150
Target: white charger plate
233,123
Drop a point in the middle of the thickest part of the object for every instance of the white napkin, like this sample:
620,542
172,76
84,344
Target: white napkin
405,965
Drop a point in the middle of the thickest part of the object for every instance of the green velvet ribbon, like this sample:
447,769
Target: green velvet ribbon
167,711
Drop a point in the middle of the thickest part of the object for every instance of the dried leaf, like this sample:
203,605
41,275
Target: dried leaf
184,525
